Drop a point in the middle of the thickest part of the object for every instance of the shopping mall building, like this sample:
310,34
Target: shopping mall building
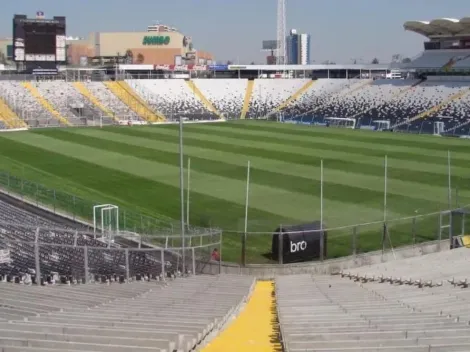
159,45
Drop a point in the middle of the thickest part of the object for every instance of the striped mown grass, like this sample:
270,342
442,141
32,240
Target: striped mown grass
138,167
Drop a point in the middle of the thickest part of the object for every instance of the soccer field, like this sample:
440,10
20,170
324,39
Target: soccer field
138,168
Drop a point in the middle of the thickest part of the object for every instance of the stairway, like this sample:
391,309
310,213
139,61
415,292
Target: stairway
248,94
436,108
48,106
293,97
9,118
125,93
89,95
208,105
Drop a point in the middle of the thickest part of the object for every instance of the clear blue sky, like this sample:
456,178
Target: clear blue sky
234,29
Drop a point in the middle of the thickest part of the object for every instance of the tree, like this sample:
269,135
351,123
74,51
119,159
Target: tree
140,58
375,61
406,60
229,62
396,58
3,59
129,56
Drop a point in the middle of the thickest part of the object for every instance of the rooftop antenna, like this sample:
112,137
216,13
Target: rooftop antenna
281,33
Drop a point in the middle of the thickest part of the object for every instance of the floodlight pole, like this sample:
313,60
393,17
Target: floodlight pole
384,234
247,198
321,194
182,193
385,186
188,191
449,195
322,236
449,190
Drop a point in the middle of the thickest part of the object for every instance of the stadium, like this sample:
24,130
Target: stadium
190,206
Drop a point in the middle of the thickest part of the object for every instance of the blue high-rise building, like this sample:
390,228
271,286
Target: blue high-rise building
298,48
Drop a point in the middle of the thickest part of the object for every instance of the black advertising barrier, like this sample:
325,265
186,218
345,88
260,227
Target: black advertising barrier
300,243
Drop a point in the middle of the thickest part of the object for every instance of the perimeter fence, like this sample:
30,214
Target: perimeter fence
351,240
256,245
86,256
80,209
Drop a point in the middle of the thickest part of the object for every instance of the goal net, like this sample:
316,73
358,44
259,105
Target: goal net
105,221
381,125
340,122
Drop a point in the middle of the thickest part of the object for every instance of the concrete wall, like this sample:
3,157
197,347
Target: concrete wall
113,42
269,271
77,49
156,56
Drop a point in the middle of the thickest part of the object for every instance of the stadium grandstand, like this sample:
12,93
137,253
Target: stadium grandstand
70,284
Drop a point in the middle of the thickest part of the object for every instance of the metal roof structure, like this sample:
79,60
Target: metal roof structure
441,27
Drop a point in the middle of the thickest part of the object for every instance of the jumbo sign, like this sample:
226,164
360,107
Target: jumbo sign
156,40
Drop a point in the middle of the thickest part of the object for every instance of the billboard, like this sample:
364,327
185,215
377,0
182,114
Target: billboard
218,67
269,45
300,243
39,39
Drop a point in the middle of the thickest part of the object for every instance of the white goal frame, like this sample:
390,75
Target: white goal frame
382,125
341,122
438,128
102,209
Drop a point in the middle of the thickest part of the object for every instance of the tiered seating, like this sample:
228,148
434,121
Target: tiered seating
111,101
61,250
227,95
172,97
134,101
425,271
268,94
68,102
436,58
337,314
319,93
455,115
420,100
136,317
25,105
359,98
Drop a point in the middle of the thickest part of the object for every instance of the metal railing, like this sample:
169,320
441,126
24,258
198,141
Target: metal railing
83,254
80,209
352,240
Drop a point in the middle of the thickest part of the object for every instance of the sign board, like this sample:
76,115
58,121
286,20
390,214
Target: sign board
269,44
218,67
156,40
300,243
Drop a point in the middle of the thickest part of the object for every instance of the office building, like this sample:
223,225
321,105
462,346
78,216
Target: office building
298,48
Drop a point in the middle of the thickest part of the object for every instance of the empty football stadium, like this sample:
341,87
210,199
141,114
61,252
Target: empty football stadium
178,208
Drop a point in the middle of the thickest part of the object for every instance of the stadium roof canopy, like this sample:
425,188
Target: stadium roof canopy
441,27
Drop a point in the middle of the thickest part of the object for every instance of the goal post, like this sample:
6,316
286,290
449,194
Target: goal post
341,122
105,219
381,125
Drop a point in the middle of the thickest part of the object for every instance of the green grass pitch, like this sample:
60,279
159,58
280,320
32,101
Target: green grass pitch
138,167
